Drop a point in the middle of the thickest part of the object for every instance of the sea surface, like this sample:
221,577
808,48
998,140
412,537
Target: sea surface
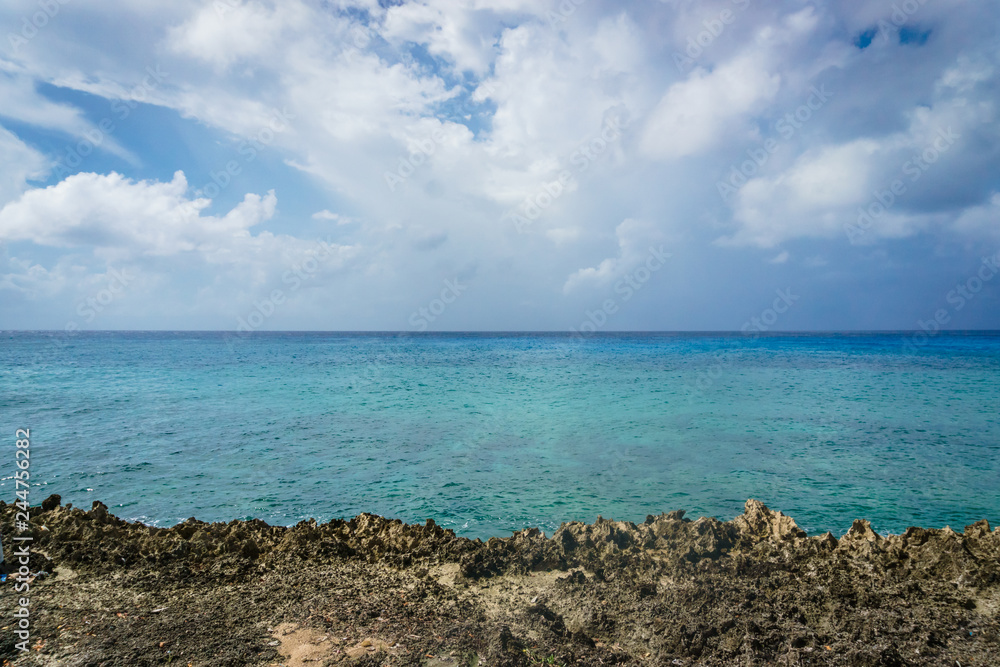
490,433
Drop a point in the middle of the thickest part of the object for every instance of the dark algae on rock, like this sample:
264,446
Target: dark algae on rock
370,591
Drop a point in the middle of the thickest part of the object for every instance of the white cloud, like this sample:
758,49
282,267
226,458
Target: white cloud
780,258
30,279
224,33
708,108
21,163
23,103
449,30
619,45
807,199
825,191
363,98
635,237
124,220
983,219
534,133
332,217
153,233
966,74
111,211
357,97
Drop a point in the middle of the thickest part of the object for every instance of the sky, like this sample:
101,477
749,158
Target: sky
499,165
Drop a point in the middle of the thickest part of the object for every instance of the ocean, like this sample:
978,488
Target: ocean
491,433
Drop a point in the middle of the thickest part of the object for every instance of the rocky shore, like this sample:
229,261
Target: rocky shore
369,591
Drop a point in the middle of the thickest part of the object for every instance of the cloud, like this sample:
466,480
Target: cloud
982,220
807,199
481,104
125,220
462,37
145,217
154,234
709,108
634,237
223,33
905,182
23,103
21,163
563,235
332,217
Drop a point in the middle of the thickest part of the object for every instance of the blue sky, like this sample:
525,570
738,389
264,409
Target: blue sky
499,165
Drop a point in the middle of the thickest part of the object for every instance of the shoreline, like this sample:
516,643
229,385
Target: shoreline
369,590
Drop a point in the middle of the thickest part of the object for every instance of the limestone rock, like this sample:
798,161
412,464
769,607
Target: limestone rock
760,523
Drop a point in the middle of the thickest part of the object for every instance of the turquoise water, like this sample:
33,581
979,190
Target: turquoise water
492,433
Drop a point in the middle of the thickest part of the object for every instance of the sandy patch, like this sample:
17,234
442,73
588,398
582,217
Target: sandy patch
304,647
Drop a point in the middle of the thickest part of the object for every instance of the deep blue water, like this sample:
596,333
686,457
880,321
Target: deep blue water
492,433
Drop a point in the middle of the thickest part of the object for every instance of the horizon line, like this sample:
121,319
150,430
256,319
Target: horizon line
513,331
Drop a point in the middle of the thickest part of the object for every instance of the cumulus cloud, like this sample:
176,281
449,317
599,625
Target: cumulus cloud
222,33
461,37
708,108
807,199
111,211
872,187
149,231
125,220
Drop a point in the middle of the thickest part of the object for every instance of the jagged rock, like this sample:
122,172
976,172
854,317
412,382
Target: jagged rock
702,592
827,541
979,529
862,530
758,522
